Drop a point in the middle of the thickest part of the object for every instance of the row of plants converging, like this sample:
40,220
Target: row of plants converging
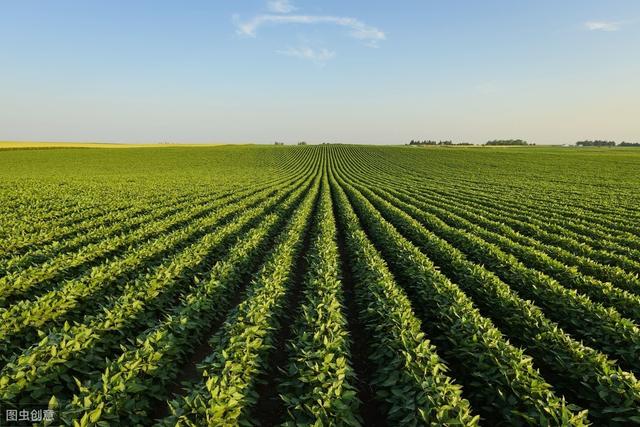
342,285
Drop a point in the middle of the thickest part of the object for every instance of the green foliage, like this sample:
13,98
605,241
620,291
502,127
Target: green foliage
410,378
596,143
318,387
483,286
430,142
241,347
499,142
473,340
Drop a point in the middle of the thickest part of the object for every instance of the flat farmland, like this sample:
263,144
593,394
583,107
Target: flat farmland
321,285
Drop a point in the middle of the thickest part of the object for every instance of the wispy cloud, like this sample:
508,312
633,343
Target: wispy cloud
358,29
602,25
280,14
319,56
280,6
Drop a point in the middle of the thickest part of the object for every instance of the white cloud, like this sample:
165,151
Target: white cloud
319,56
602,26
359,30
280,6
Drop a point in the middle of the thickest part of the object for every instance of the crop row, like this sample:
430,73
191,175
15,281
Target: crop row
589,260
578,371
239,350
25,320
475,347
330,285
85,344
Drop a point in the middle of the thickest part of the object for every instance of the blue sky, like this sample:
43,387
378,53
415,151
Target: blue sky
359,71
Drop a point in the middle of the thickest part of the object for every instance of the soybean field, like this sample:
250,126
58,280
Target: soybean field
320,285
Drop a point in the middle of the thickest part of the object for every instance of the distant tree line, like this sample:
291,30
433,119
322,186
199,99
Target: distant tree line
430,142
596,143
601,143
507,142
282,143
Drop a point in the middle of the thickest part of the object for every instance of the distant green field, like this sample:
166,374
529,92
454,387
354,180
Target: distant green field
333,284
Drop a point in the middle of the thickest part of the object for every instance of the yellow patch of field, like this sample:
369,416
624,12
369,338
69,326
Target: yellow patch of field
30,144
